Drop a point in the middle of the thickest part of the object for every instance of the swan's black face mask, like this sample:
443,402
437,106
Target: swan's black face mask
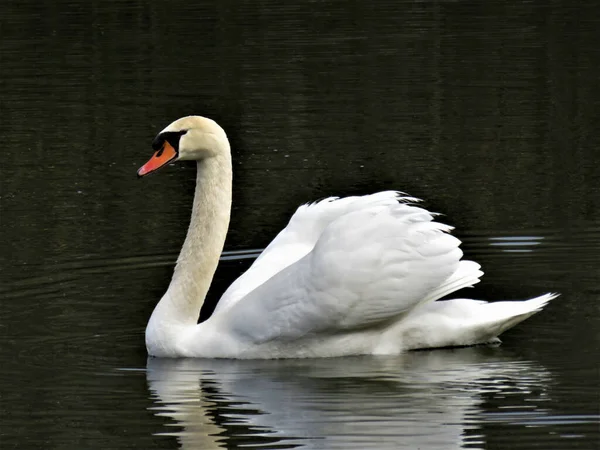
166,149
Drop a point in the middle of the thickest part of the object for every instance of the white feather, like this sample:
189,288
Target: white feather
461,322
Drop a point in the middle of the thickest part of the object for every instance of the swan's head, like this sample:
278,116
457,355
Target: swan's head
188,138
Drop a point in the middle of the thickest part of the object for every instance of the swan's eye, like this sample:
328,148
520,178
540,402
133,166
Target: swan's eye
172,137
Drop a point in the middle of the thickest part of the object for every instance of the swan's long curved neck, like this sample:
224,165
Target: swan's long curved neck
199,256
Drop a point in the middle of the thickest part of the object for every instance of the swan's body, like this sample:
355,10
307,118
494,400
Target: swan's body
358,275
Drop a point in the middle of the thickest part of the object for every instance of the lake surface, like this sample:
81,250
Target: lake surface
489,112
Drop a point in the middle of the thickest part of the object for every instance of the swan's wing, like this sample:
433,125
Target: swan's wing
367,267
299,237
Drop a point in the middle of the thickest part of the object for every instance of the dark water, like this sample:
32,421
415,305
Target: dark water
489,111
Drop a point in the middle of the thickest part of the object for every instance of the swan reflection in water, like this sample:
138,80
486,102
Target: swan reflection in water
430,400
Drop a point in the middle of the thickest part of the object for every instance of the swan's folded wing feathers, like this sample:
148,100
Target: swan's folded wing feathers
310,220
299,237
368,266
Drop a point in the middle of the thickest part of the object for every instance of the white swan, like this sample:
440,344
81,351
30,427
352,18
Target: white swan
357,275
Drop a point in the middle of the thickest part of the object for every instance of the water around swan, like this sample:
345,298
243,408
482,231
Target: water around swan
488,112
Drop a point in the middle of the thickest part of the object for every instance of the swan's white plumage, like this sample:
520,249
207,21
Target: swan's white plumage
368,266
357,275
461,322
299,237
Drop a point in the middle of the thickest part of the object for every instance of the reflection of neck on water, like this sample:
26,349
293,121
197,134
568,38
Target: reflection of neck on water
419,399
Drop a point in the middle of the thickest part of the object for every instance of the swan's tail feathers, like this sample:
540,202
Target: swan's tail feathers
462,322
501,316
467,275
537,303
511,313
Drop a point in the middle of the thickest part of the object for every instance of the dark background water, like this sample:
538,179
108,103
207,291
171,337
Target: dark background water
488,111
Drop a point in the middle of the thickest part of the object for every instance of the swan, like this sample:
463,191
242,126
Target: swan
346,276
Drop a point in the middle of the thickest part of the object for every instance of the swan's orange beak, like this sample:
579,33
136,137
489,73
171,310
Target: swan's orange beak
162,157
